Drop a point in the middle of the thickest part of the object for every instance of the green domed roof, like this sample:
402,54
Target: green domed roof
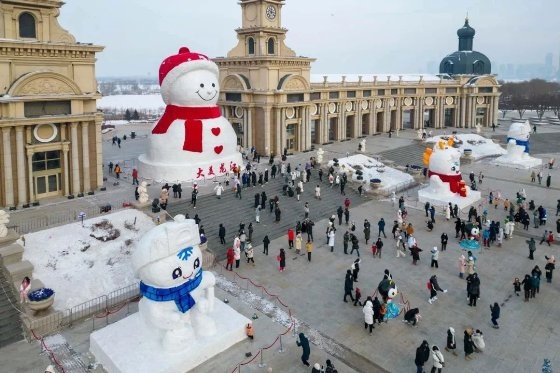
466,31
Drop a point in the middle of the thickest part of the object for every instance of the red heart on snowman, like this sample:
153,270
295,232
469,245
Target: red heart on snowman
218,149
216,131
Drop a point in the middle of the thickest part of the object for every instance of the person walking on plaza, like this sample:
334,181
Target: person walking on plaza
348,286
444,239
367,230
433,214
379,246
117,171
355,245
532,247
422,356
548,180
435,257
355,267
135,177
318,192
266,242
219,189
473,288
236,255
549,268
331,236
258,214
468,345
282,260
291,236
381,228
222,234
250,253
434,287
346,215
111,167
495,313
303,342
299,241
339,213
368,315
451,343
309,249
438,360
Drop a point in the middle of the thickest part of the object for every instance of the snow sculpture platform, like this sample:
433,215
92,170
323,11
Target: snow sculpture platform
129,345
524,162
437,198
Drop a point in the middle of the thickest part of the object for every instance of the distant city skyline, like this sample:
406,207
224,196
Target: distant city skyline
405,36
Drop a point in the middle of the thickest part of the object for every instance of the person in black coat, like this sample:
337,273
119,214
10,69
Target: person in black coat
473,288
348,286
495,310
304,343
339,212
444,240
222,234
422,355
451,343
266,242
257,200
548,268
527,286
468,346
263,200
410,316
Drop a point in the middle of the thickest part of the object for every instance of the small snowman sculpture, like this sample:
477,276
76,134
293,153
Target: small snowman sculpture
177,295
518,134
192,140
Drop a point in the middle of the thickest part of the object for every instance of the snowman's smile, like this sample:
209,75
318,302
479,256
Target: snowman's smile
207,93
189,276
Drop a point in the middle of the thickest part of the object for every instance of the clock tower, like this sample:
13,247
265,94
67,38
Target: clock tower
257,74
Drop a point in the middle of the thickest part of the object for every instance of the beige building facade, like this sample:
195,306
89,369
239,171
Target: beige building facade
275,103
50,127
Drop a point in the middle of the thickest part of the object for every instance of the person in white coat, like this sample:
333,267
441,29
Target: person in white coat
331,239
447,212
219,189
508,229
438,360
236,254
318,192
258,214
368,315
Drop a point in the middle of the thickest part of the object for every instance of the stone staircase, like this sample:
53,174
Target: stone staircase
10,323
12,270
410,154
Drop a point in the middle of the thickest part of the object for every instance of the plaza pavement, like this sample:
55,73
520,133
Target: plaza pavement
313,291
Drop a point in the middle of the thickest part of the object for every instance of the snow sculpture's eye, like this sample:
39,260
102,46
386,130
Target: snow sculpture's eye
213,85
201,85
453,168
392,293
196,263
177,273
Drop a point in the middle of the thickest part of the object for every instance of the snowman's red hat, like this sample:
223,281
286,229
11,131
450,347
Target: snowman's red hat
181,63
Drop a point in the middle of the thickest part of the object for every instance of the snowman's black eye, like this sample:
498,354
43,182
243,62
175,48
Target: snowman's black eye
201,85
453,168
177,273
213,85
196,263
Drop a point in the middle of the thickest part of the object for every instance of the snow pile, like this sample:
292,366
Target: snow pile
80,267
480,146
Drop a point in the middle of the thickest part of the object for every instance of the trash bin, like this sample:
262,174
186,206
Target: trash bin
132,135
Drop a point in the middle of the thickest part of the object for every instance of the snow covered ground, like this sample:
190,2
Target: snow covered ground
481,146
79,267
373,169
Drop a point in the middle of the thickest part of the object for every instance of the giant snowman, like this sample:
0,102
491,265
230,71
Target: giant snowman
444,172
176,327
192,140
517,155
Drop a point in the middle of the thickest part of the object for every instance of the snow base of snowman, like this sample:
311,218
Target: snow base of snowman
131,345
438,194
516,157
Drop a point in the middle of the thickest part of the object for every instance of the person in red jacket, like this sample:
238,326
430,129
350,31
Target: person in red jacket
347,202
291,237
230,256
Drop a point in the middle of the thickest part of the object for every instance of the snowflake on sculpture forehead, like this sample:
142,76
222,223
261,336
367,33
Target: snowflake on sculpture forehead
185,253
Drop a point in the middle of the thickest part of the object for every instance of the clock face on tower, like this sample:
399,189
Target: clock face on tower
271,12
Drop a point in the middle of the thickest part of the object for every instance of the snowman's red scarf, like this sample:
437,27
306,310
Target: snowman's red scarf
193,117
453,180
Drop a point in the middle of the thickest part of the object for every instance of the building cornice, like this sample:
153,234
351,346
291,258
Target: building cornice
47,119
261,60
42,49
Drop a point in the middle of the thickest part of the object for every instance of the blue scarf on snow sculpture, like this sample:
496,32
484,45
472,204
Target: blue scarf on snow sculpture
524,143
180,294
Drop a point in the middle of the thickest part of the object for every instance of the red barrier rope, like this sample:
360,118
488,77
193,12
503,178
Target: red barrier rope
46,348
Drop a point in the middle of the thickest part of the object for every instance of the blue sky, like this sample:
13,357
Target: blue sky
356,36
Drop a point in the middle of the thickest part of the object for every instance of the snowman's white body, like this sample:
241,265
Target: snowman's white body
158,257
166,160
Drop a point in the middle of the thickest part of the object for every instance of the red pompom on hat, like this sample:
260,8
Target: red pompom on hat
181,63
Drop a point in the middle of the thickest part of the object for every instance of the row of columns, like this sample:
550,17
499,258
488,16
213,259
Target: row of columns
24,174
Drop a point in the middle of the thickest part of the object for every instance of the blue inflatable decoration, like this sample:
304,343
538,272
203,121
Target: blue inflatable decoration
469,244
393,311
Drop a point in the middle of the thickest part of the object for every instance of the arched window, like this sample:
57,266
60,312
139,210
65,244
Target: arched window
27,26
478,67
250,46
448,67
270,46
